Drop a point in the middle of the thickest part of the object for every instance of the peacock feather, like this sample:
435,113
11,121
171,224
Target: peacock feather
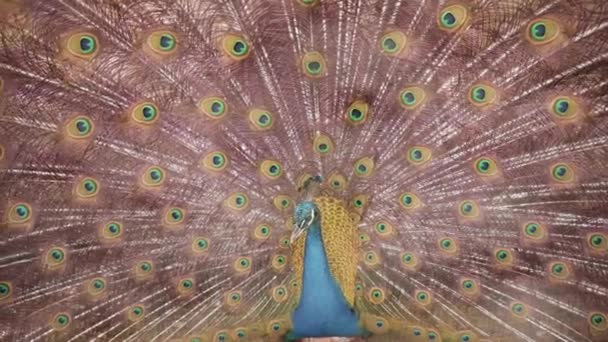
275,170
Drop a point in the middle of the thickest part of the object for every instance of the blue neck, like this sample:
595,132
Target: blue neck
322,311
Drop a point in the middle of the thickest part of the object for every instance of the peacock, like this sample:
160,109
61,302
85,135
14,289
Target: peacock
295,170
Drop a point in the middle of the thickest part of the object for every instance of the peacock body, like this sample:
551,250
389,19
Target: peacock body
264,170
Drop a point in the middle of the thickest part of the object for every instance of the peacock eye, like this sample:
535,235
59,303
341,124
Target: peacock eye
5,290
153,176
235,47
486,167
503,256
200,245
469,286
242,264
162,42
238,201
418,155
376,295
145,113
261,119
363,237
364,167
452,18
80,127
215,161
314,65
323,144
82,45
241,334
598,241
61,321
112,230
360,202
598,321
393,43
468,209
423,297
271,169
279,293
87,188
482,95
20,213
409,201
55,257
542,31
185,286
143,268
213,106
562,173
371,258
564,108
174,216
96,286
279,262
518,309
412,97
308,3
357,112
559,270
448,245
136,312
337,182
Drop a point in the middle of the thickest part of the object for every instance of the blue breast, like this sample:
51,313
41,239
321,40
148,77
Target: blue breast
322,311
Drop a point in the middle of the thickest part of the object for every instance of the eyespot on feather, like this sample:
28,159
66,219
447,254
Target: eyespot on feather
308,3
503,257
409,201
375,295
375,324
80,127
213,107
279,261
162,42
453,18
519,309
314,65
242,265
61,321
364,167
562,173
323,145
143,269
86,188
423,297
82,45
384,229
271,169
6,290
283,203
357,113
276,328
448,245
260,119
173,217
598,321
469,287
412,97
55,258
410,261
112,230
534,231
185,286
145,113
215,161
337,182
565,108
597,242
200,245
153,177
237,202
371,258
543,31
280,294
19,213
466,336
468,209
559,270
96,287
485,167
418,155
233,298
482,95
261,231
235,47
136,312
393,43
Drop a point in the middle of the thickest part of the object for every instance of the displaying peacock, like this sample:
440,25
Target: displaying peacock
274,170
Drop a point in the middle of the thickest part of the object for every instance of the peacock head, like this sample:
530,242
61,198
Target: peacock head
305,214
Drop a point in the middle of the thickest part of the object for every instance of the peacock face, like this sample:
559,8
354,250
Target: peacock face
305,214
